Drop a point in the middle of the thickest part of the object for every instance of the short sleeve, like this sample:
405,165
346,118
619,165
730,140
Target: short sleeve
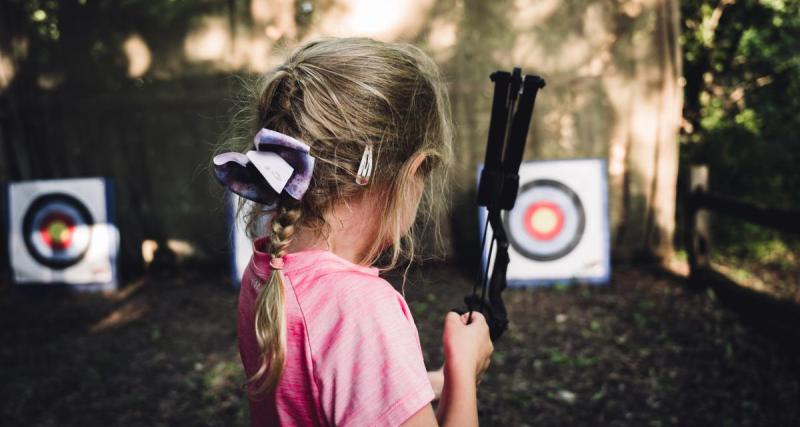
368,361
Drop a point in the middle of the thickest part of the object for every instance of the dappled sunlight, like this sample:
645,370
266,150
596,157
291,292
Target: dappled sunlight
597,23
210,41
645,122
616,159
7,71
181,248
576,51
633,8
620,86
261,11
149,248
49,80
533,12
384,20
138,54
578,55
442,38
276,17
275,27
221,374
130,311
253,54
584,51
567,140
127,291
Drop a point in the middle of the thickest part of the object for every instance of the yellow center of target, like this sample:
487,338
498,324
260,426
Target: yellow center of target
544,220
59,232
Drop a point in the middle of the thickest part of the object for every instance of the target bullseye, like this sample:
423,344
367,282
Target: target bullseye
547,222
544,220
57,230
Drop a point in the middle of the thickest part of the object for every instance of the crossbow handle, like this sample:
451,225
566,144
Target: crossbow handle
499,316
492,307
497,282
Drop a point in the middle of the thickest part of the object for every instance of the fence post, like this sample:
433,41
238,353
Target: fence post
697,223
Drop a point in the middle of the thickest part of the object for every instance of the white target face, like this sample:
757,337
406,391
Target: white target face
58,230
62,232
558,228
241,246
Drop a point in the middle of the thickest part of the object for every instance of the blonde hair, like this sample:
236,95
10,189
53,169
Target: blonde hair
338,96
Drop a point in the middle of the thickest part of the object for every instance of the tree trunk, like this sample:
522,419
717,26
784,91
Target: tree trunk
651,162
612,92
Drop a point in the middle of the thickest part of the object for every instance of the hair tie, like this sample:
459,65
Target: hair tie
279,163
276,263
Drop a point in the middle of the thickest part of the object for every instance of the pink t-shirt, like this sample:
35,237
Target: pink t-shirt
353,356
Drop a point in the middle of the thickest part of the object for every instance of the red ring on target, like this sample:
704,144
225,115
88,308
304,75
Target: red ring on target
544,220
549,221
57,230
60,238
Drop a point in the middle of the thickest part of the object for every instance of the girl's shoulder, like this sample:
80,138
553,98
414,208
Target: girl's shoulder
330,290
320,278
344,290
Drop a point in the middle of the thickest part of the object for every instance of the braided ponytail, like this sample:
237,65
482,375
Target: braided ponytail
270,310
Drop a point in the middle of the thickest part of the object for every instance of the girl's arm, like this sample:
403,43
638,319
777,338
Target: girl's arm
467,350
459,403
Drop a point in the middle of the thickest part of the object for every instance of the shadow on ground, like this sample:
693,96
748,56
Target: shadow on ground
643,351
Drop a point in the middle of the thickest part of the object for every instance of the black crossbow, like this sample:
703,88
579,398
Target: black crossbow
512,107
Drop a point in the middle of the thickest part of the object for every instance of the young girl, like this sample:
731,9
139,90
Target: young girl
349,133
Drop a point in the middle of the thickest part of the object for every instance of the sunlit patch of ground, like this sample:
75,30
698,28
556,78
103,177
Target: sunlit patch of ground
781,281
642,352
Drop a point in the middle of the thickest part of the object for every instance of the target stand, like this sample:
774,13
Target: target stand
558,229
62,232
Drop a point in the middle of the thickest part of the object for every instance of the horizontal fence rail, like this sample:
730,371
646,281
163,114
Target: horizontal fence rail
775,316
778,219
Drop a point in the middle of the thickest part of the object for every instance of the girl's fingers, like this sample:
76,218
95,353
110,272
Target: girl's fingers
477,318
452,316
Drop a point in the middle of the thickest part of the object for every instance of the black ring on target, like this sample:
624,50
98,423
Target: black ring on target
27,227
577,235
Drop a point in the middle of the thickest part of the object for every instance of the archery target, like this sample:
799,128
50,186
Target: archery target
62,231
57,229
558,228
241,245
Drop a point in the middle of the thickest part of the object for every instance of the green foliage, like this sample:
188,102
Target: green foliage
742,109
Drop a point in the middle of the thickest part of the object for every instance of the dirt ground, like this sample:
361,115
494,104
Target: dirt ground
643,351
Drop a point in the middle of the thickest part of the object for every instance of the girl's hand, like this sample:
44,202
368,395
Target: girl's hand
467,347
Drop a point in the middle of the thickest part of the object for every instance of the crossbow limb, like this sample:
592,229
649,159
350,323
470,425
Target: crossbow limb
512,107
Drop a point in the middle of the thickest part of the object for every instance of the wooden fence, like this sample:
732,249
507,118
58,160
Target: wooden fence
778,316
